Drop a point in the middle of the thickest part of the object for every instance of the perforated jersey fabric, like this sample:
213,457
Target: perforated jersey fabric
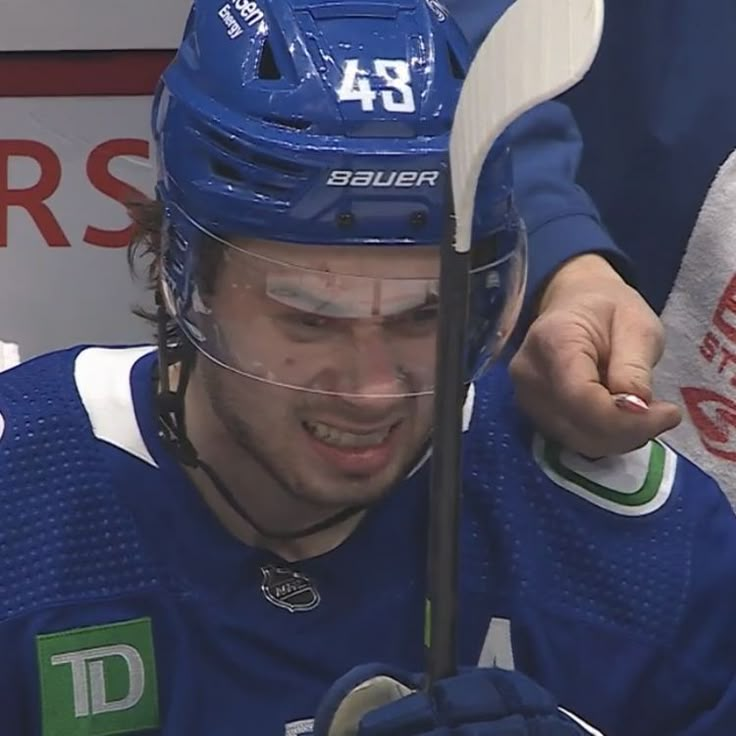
613,584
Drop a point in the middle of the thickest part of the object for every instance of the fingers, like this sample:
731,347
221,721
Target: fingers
559,384
589,421
636,346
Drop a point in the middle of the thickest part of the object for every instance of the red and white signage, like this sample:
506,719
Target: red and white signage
67,165
74,129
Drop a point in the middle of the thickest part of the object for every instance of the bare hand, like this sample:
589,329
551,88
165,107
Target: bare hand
594,340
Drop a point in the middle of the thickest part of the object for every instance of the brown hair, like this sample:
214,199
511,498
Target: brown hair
145,253
144,247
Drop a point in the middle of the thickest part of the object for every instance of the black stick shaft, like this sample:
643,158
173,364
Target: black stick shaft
446,478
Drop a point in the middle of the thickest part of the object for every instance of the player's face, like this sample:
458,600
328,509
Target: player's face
338,352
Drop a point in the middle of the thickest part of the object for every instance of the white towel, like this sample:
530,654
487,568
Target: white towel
698,370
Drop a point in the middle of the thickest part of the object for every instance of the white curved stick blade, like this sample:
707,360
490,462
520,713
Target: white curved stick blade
536,50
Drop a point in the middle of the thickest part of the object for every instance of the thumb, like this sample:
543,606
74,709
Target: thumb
637,343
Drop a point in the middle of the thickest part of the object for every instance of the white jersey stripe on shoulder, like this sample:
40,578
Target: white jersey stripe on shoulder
9,355
585,726
468,407
102,376
634,484
299,728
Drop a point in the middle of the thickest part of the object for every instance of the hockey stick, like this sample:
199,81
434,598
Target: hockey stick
537,50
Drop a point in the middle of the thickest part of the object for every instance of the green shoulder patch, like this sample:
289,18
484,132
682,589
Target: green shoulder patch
634,484
98,680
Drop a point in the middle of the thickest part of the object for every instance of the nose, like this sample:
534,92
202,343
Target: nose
374,373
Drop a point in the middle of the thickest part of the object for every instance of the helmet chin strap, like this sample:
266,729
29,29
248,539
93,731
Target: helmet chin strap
173,349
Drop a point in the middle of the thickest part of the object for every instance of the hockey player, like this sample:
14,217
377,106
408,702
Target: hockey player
208,537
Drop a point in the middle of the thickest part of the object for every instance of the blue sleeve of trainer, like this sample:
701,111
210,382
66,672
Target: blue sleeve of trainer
561,219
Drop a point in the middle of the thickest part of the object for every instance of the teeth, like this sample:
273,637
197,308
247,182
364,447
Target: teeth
338,438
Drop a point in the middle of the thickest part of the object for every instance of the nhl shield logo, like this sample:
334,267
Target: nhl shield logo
289,589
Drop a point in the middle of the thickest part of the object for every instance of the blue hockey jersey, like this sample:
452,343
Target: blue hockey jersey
125,608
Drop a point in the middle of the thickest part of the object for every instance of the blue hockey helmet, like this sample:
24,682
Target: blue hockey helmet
320,123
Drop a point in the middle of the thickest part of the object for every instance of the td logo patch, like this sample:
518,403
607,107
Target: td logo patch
98,680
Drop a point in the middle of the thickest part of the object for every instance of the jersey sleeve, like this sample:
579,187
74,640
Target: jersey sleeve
665,659
561,219
704,650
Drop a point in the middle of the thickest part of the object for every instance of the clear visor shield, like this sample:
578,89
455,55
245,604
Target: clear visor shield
351,321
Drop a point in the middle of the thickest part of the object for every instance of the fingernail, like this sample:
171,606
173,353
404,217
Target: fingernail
631,402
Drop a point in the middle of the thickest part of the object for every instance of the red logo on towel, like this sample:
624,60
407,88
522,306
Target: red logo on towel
715,417
711,412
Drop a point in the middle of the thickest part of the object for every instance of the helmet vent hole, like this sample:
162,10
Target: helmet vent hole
225,142
292,123
225,171
268,69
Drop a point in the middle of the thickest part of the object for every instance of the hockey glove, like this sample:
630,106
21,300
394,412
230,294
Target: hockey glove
377,700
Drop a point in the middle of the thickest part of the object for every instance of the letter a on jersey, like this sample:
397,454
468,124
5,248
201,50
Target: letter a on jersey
99,680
